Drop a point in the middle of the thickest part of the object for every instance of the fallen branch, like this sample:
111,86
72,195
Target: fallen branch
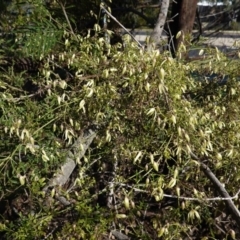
75,153
119,235
220,188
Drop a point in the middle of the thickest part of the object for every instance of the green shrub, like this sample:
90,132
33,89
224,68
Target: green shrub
150,115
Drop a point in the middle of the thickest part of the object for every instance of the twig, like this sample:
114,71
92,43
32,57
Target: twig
111,16
200,32
182,198
111,186
148,6
170,42
66,16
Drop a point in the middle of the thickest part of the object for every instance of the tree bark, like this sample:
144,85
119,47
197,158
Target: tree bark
182,19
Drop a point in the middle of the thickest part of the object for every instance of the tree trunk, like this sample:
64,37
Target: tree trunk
155,37
182,19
